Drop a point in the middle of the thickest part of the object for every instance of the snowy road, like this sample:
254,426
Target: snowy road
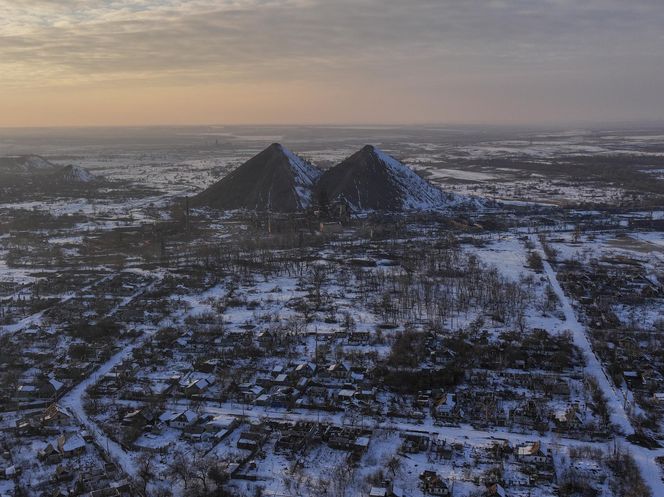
74,402
462,433
593,366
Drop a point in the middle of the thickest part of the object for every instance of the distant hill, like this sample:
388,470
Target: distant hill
39,174
370,179
276,180
26,164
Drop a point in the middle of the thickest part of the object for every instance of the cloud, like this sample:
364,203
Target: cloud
98,39
413,45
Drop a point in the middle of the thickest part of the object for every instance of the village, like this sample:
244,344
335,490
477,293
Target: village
376,359
340,327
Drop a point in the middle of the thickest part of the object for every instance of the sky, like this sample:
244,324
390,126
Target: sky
144,62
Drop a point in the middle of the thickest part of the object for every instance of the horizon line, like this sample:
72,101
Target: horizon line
559,124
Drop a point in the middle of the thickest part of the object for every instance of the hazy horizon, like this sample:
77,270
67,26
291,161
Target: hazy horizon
580,125
268,62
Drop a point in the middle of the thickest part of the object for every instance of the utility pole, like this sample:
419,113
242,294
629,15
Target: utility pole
316,349
186,214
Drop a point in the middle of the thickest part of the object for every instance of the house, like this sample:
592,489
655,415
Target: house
138,418
589,469
281,379
56,386
431,483
568,419
356,376
29,424
284,396
183,419
62,473
349,439
445,409
337,370
198,386
277,370
196,383
531,452
56,414
221,425
344,395
45,388
414,443
27,392
359,338
253,438
295,437
159,388
71,444
305,369
361,444
378,492
302,384
250,392
9,473
263,400
265,338
265,381
442,449
633,379
49,453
